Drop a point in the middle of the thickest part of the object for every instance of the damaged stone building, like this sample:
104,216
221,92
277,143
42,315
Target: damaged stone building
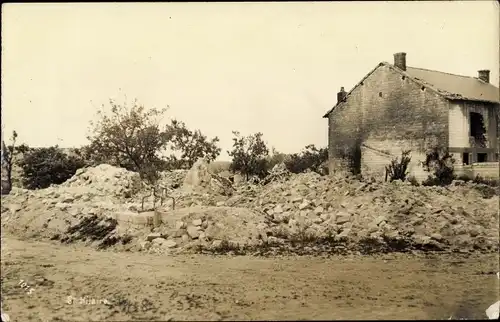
396,107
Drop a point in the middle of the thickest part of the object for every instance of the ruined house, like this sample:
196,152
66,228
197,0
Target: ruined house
396,107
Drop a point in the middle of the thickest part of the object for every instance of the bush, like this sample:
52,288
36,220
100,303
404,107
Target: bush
464,178
439,163
397,169
413,181
311,158
42,167
489,182
486,190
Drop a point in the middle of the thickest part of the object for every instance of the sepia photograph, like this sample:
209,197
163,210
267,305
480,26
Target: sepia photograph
250,161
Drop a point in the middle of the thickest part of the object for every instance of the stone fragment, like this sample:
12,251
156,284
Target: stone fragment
193,232
216,243
180,225
278,209
325,216
169,243
68,199
62,206
153,236
437,237
158,241
343,217
318,211
379,219
304,205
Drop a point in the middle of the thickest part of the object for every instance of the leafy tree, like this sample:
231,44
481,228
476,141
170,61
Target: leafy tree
129,137
191,144
45,166
311,158
7,160
249,155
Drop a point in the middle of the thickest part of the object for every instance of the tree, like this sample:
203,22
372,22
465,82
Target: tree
249,155
9,154
45,166
310,158
191,144
129,137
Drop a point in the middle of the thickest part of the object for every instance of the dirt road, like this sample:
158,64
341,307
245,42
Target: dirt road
135,286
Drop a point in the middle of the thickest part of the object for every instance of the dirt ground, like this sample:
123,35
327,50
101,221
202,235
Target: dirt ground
137,286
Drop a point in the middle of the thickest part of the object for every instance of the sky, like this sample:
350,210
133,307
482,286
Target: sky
265,67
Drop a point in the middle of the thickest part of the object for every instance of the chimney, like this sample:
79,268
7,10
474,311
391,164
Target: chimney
341,95
400,60
484,75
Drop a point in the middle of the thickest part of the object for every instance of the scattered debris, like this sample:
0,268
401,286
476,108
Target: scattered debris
302,213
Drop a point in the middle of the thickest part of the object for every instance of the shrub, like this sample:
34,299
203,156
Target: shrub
486,191
489,182
42,167
439,163
464,178
413,181
311,158
397,169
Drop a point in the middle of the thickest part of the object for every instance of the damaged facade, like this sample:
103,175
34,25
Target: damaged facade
396,107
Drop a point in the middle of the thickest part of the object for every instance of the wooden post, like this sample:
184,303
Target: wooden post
156,219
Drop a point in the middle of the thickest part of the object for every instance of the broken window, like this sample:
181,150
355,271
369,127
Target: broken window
465,158
482,157
477,129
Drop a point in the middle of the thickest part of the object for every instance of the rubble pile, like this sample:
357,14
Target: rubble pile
278,173
45,212
107,179
172,179
289,210
457,218
206,227
200,178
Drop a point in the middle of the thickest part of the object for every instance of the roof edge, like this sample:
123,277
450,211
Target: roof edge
455,98
448,96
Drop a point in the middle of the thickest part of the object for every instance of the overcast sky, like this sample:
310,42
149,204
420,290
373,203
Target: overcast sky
269,67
